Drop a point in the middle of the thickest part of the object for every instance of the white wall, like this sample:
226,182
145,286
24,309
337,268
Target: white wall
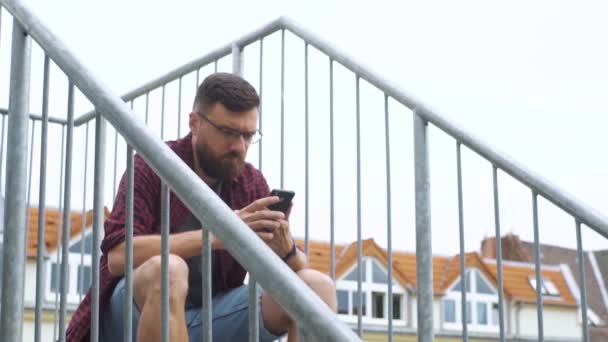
30,281
557,321
46,330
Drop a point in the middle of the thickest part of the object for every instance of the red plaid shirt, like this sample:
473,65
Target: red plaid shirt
246,188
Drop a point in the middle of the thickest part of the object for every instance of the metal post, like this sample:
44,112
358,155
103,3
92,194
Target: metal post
179,108
16,161
332,244
424,253
360,274
59,224
261,101
237,60
29,178
65,238
128,332
40,250
2,152
306,156
115,165
539,279
389,232
207,289
582,281
165,222
98,217
463,277
147,106
84,212
282,108
501,301
162,114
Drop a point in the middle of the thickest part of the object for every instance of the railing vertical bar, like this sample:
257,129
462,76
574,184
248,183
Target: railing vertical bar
261,102
198,72
179,108
59,224
165,219
84,212
162,114
98,217
424,254
207,287
147,106
128,332
65,236
501,300
582,281
359,239
2,154
29,181
282,107
539,280
115,163
15,205
306,200
389,231
40,250
463,273
215,66
254,331
332,247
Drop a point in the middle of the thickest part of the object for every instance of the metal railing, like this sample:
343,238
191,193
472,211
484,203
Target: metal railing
287,290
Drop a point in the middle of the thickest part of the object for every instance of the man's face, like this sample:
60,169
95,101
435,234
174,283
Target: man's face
221,155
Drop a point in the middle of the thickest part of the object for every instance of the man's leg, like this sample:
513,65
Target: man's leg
147,296
276,319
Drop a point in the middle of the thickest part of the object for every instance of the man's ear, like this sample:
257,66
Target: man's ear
193,122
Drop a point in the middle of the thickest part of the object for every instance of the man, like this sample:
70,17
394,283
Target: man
223,124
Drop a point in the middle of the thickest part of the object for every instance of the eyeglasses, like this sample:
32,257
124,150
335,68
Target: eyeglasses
231,133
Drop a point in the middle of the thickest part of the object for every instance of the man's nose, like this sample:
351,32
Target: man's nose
239,144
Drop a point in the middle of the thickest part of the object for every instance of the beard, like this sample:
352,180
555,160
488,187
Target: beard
223,167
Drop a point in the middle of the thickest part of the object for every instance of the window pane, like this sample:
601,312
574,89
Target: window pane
56,277
449,310
377,304
84,276
550,288
396,306
482,313
353,274
342,302
469,314
495,316
482,285
458,286
378,275
357,305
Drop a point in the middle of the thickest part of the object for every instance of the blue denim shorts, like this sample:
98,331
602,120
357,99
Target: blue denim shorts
230,317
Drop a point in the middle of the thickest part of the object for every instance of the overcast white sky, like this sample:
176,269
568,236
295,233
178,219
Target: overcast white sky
527,77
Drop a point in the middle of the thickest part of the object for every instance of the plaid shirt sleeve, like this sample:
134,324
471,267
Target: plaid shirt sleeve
146,190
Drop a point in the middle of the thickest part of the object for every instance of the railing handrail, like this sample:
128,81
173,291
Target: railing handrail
294,296
562,199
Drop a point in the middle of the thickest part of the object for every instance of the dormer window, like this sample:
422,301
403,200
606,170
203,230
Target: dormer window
482,304
373,304
548,287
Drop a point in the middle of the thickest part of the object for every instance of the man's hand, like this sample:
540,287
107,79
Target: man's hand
260,219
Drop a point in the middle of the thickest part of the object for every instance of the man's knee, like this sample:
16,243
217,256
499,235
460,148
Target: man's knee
321,284
147,278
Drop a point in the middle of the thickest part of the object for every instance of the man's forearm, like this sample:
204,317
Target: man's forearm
186,245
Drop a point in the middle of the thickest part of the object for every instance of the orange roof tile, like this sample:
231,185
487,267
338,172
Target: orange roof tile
446,270
52,228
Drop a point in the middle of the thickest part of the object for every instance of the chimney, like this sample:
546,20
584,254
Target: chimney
511,246
488,248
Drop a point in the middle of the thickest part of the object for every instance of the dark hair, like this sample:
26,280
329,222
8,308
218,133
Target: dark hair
236,94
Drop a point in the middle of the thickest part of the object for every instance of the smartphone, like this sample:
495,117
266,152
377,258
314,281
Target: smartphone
286,196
